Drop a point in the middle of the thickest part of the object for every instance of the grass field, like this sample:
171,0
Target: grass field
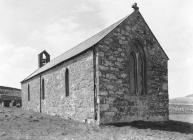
182,117
181,112
16,124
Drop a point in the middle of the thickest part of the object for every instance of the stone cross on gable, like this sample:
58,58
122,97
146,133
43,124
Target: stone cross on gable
135,7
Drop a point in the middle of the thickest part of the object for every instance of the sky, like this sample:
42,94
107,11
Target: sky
29,26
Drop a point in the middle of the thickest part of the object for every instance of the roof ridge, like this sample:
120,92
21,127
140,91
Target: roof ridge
82,46
87,39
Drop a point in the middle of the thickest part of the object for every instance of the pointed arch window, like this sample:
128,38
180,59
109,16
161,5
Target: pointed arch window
67,82
136,73
132,73
140,76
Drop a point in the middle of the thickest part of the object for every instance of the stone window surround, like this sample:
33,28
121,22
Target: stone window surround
139,54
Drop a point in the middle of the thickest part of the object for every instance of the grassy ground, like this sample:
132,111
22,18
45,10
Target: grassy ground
181,112
182,117
16,124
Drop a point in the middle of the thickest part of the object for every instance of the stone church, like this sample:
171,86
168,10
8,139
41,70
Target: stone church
118,75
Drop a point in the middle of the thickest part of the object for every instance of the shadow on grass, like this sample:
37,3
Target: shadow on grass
174,126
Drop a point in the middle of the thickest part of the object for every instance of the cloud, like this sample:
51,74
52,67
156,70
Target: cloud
16,63
84,7
28,27
111,11
60,36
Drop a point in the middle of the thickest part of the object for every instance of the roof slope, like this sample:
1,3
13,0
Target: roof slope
77,49
84,46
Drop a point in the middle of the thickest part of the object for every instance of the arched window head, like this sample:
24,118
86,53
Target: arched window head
132,73
140,75
137,72
67,82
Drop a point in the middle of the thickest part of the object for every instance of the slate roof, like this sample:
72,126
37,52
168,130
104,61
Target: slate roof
81,47
77,49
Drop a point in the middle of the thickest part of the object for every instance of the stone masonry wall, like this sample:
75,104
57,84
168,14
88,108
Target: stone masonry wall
115,103
34,103
79,105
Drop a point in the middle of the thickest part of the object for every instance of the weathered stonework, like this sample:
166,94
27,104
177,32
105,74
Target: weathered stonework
34,103
121,78
116,103
79,105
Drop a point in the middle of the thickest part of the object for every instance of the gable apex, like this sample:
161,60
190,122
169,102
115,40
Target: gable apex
77,49
86,45
166,57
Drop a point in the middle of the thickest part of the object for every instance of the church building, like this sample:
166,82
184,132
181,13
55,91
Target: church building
118,75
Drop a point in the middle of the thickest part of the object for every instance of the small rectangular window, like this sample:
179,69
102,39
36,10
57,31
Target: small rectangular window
43,90
28,89
67,82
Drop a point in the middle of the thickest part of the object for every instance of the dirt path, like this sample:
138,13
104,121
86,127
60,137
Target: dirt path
16,124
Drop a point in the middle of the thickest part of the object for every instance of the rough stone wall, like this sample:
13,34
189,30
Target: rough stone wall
34,103
79,105
115,102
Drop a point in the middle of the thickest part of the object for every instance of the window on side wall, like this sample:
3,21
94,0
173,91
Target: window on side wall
67,82
28,91
43,89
